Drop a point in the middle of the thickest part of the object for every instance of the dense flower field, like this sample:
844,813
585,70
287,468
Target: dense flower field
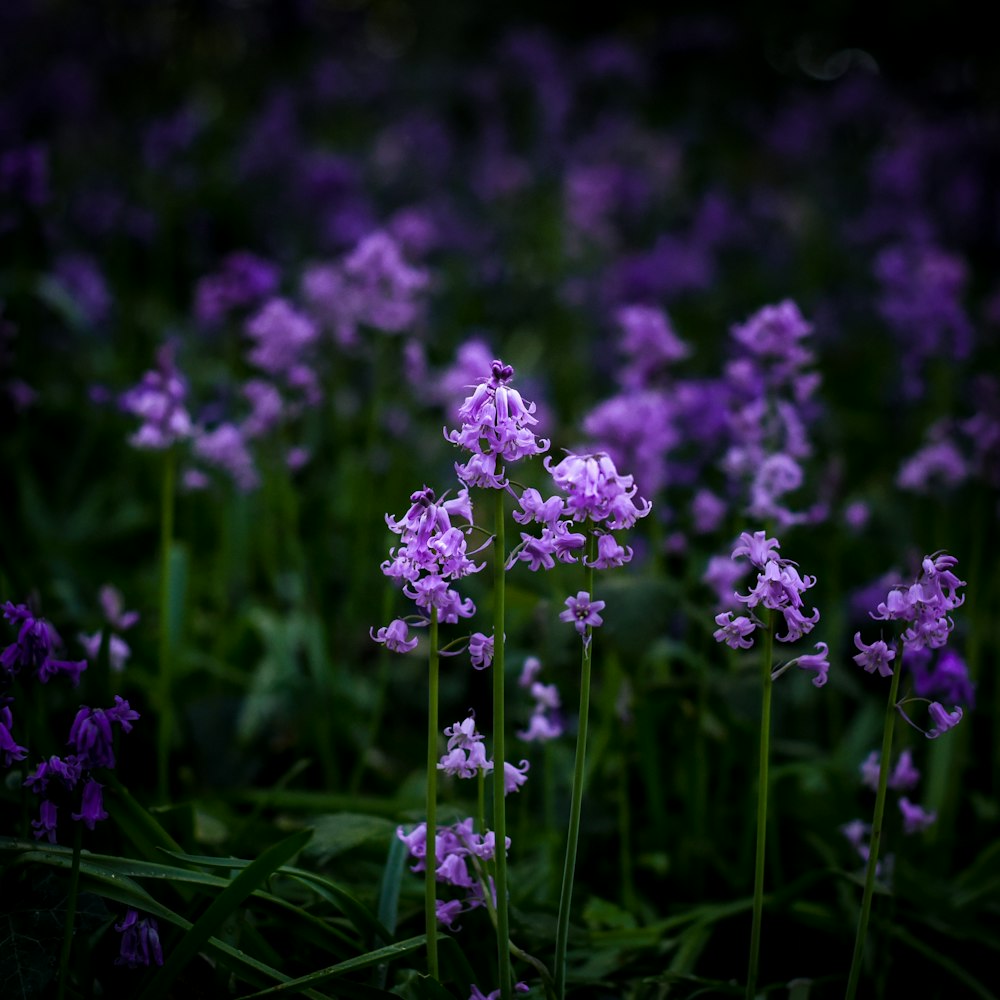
583,446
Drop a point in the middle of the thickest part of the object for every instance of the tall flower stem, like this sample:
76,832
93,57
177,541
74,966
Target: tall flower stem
430,863
499,805
165,731
883,781
74,890
762,788
576,798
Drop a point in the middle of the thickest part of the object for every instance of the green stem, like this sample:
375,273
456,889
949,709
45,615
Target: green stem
883,781
74,889
499,805
576,798
762,787
430,876
165,731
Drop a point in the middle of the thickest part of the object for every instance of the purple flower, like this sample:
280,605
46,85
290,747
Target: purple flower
815,661
45,825
481,650
8,748
225,447
32,650
384,288
91,737
243,280
582,612
877,656
514,776
915,818
903,777
610,553
948,681
140,941
395,635
158,400
758,548
113,606
734,632
596,491
66,769
92,805
943,720
496,424
118,649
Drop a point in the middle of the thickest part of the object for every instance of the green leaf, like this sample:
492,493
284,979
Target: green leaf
376,957
221,907
392,879
344,831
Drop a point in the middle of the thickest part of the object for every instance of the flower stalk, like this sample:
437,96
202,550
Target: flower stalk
576,798
876,836
767,684
499,805
165,730
430,873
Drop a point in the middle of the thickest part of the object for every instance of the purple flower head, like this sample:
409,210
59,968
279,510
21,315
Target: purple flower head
610,553
281,335
775,331
481,650
514,776
925,604
904,776
113,606
140,941
384,288
815,661
758,548
32,650
81,279
779,585
943,720
649,343
915,818
722,574
948,680
122,713
158,400
734,632
242,281
395,635
596,490
9,749
90,736
496,424
466,755
877,656
67,770
92,805
48,819
118,649
582,613
225,447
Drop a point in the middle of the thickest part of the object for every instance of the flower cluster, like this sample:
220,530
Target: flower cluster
33,649
69,779
159,401
458,856
140,941
118,620
904,777
496,427
595,492
779,587
466,757
432,553
544,723
243,280
770,389
924,609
